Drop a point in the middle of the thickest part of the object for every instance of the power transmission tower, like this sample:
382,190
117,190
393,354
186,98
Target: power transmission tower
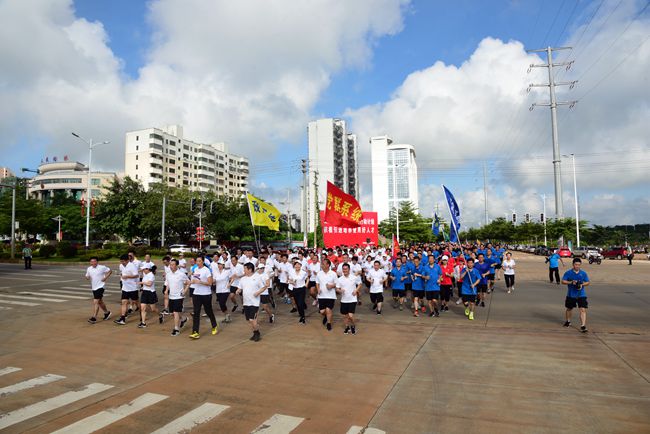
557,170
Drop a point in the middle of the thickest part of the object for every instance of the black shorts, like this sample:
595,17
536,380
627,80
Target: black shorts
98,293
289,292
490,277
233,289
376,297
481,287
445,292
469,298
433,295
148,297
347,308
265,299
311,284
222,298
497,266
176,305
571,302
399,293
326,303
164,290
130,295
250,312
408,286
418,293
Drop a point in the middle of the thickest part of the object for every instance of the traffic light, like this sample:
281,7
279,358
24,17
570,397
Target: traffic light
527,218
211,207
200,233
192,204
541,218
514,218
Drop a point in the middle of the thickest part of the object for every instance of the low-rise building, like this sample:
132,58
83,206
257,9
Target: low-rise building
70,177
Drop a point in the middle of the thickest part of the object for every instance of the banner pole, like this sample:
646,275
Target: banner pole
451,217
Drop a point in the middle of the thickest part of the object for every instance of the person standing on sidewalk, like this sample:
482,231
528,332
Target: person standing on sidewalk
27,257
554,261
97,274
576,280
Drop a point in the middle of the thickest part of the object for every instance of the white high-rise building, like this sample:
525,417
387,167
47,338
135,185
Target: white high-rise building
394,175
332,157
163,155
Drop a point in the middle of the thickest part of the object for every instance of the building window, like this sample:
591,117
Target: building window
136,176
136,158
137,138
95,181
137,147
136,167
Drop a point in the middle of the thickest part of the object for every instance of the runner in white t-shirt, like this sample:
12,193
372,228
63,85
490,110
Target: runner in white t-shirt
326,287
129,276
236,273
377,278
202,297
508,267
97,274
348,286
265,298
220,280
177,284
251,287
148,297
165,291
313,267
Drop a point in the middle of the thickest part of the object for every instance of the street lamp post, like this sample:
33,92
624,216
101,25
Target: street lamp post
575,196
13,216
91,145
58,219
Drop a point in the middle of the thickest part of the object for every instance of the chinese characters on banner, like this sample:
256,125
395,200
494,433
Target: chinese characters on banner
363,235
341,209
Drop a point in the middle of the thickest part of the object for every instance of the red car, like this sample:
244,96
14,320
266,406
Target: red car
564,252
615,252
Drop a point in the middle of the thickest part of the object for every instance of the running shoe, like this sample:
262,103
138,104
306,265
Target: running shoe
257,337
329,327
482,304
431,314
215,330
359,303
567,323
353,330
346,331
446,308
92,320
466,311
378,312
234,308
458,301
165,311
583,329
436,314
509,291
273,303
272,318
204,315
294,310
129,312
401,307
471,316
120,321
302,321
142,325
416,313
183,321
160,318
252,338
195,335
176,332
107,315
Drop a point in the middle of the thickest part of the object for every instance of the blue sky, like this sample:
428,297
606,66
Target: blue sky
131,64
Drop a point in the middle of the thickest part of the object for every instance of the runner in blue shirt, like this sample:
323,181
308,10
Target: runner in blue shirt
576,280
484,270
408,263
471,279
433,276
417,285
397,277
553,266
492,261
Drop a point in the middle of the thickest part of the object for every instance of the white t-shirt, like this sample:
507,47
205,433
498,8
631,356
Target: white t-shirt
175,282
265,280
96,274
297,280
149,277
142,264
137,263
202,274
236,272
348,285
182,263
509,267
283,268
314,268
249,286
376,277
167,270
220,278
322,280
245,260
130,284
355,269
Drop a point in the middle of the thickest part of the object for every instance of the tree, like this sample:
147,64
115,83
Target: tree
29,212
121,211
412,226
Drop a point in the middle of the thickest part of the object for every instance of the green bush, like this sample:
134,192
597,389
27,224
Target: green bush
5,255
46,251
66,250
102,255
116,247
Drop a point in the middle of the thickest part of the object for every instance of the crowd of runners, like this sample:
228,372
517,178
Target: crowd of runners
425,280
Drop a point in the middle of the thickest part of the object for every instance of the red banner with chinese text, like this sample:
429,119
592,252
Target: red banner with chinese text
364,235
341,209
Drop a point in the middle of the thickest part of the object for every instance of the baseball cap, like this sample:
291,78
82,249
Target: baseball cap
445,258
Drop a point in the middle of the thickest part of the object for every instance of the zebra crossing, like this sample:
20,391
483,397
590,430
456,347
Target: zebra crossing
40,297
203,413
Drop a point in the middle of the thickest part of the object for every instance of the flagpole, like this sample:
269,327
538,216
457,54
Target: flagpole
250,214
451,217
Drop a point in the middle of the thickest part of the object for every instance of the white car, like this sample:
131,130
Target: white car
180,248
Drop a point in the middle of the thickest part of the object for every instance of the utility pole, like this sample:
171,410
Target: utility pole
13,219
162,229
316,209
305,198
557,170
485,195
544,217
58,219
575,196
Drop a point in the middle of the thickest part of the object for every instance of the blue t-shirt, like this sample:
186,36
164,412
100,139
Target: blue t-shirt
482,269
471,277
436,254
479,251
554,260
492,261
500,253
434,274
576,291
397,274
418,282
410,266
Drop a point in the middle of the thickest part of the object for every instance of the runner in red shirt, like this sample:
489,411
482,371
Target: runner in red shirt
446,282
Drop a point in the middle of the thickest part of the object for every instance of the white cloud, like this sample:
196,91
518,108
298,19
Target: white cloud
245,72
458,116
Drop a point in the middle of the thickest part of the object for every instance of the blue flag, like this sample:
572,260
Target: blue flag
436,225
454,212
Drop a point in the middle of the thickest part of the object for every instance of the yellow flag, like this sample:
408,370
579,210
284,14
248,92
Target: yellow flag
262,213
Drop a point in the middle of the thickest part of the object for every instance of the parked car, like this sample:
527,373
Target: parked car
180,248
564,252
541,250
617,252
585,251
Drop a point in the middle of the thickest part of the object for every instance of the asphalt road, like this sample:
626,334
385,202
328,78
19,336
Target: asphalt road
513,369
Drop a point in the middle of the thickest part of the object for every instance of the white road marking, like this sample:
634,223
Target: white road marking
41,283
9,370
28,384
107,417
360,429
86,290
19,303
279,424
5,308
192,419
54,300
77,293
33,276
48,294
22,414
